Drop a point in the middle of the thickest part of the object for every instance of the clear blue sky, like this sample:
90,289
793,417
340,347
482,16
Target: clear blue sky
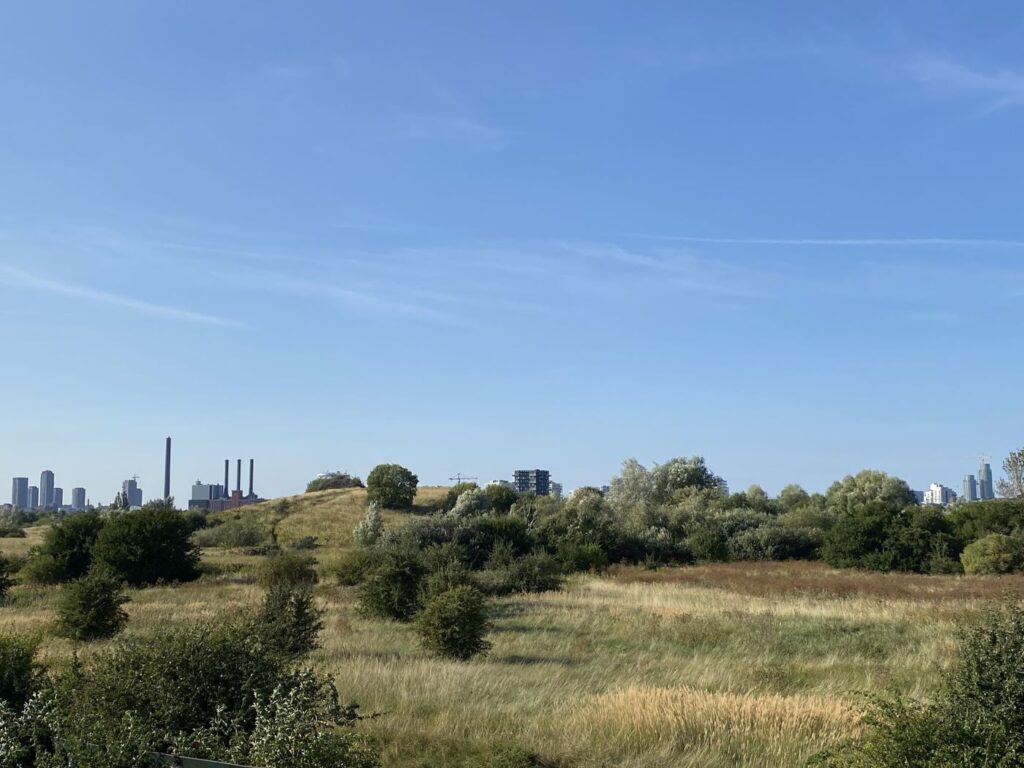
471,237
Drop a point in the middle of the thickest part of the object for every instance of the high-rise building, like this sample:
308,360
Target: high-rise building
58,498
939,494
537,481
203,494
46,489
986,488
33,497
132,492
555,490
19,493
78,499
970,488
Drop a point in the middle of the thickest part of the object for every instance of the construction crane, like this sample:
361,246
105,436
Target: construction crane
460,478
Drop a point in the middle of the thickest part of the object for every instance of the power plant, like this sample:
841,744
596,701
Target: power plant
215,498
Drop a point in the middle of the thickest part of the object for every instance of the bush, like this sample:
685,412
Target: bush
391,589
370,528
478,536
576,556
775,542
291,619
147,546
535,572
453,494
392,486
237,533
17,669
66,551
994,553
353,566
454,624
708,544
333,481
500,498
90,607
5,578
288,569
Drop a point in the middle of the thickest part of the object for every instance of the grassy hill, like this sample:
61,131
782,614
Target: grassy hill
738,664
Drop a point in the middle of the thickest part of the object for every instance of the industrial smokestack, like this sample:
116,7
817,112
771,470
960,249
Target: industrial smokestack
239,486
252,465
227,479
167,471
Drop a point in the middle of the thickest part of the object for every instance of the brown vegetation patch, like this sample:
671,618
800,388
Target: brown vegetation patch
797,578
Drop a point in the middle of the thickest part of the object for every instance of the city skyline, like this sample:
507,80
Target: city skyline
460,238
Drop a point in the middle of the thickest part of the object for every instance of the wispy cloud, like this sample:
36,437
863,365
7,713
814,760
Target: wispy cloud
20,278
475,134
997,89
869,242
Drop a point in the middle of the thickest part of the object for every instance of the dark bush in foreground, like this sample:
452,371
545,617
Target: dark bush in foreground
5,578
976,720
391,589
454,624
147,546
66,551
17,669
90,607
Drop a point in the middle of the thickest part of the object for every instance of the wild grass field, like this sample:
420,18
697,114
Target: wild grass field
738,664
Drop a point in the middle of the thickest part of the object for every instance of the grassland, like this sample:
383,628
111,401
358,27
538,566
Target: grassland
723,665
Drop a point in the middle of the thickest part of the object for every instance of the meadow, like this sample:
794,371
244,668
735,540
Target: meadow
730,664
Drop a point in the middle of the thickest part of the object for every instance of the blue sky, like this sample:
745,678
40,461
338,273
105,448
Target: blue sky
471,237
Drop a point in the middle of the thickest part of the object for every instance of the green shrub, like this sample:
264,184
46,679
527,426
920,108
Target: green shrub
535,572
775,542
370,528
478,536
147,546
5,578
708,544
392,486
17,668
288,569
391,589
444,578
454,624
306,543
578,556
353,566
333,481
290,618
994,553
90,607
236,533
66,551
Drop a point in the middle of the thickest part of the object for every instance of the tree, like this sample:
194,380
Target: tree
392,486
66,551
333,481
90,608
501,498
5,578
792,497
454,623
994,553
682,473
369,530
148,545
870,486
18,671
1013,466
453,494
392,588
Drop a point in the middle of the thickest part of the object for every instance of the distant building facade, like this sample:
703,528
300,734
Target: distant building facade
939,494
203,494
970,488
132,492
19,493
986,488
58,498
33,497
556,490
46,489
78,499
537,481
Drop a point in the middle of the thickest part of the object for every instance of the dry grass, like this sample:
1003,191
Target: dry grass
719,665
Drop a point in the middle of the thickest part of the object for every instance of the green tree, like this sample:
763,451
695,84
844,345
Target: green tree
994,553
391,590
454,492
369,530
66,551
870,486
5,578
501,498
454,623
148,545
792,497
1012,486
392,486
17,669
91,607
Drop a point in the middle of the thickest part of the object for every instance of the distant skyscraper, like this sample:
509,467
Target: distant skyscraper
536,481
985,486
58,498
132,492
46,489
19,493
939,494
970,488
78,499
33,497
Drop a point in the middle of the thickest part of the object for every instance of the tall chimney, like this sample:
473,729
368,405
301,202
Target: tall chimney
167,471
252,465
226,492
239,486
